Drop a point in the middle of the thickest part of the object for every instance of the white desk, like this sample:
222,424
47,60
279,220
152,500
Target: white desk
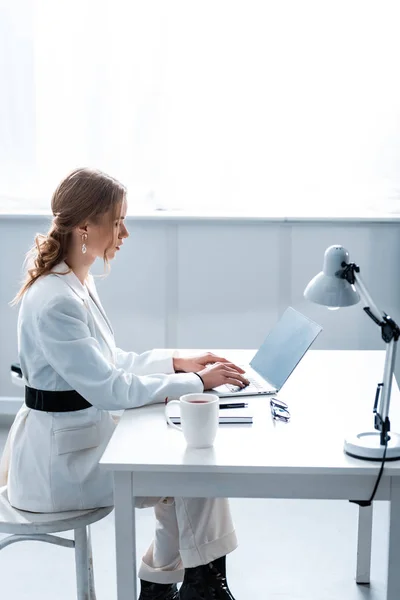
328,393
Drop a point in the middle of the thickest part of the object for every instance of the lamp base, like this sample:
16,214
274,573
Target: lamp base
367,445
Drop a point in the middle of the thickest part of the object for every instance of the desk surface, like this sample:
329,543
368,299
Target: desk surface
330,394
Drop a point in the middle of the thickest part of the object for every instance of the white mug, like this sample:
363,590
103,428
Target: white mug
199,418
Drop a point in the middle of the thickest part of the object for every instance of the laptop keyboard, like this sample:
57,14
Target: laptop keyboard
254,385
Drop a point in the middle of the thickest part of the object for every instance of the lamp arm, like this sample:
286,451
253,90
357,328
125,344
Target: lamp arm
369,305
390,334
390,329
382,422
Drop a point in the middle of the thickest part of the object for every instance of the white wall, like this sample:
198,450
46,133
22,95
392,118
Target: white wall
216,283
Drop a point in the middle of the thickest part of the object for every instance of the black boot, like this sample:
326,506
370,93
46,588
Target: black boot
158,591
206,582
220,565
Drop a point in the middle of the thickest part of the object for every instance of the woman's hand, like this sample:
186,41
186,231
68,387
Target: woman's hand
194,364
223,373
214,370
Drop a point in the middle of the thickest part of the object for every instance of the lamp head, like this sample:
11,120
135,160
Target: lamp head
328,287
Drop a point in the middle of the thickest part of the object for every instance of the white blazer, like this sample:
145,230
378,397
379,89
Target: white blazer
66,342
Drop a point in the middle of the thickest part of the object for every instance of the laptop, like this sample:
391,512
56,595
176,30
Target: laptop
278,356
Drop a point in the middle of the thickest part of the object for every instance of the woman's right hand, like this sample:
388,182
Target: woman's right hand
222,373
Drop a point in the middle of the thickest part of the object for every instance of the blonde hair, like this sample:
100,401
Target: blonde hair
85,194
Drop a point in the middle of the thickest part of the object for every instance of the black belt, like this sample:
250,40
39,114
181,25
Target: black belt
54,401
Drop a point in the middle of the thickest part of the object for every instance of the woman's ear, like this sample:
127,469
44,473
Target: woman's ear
82,228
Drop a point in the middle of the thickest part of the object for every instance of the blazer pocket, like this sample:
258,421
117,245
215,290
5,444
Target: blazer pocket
73,439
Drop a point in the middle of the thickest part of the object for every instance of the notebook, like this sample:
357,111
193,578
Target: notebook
227,415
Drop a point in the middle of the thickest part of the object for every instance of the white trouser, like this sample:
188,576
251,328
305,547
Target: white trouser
189,532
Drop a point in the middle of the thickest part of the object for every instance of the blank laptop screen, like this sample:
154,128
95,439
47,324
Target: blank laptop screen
284,347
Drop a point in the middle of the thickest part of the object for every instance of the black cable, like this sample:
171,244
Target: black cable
368,502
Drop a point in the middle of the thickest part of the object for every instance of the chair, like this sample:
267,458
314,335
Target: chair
16,375
38,526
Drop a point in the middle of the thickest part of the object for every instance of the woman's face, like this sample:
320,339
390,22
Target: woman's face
100,236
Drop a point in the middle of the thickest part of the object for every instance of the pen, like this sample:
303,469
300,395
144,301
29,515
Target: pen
237,405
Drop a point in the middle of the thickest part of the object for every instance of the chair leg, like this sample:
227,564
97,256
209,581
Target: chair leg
92,590
81,564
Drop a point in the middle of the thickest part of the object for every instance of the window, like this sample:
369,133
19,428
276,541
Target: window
279,105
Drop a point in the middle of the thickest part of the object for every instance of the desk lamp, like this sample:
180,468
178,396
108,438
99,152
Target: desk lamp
339,284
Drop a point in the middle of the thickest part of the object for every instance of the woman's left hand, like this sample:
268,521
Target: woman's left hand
194,364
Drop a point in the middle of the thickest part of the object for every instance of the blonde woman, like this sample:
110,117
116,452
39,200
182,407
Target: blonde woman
75,374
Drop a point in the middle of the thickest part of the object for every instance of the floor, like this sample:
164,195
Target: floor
289,550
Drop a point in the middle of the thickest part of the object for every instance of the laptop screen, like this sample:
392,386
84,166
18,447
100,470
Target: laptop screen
284,347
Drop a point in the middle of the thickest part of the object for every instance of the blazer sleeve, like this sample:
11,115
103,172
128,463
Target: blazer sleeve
147,363
72,351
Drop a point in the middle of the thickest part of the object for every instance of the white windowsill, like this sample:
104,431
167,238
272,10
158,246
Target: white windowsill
179,215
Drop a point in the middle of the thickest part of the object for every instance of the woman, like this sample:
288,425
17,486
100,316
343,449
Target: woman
75,374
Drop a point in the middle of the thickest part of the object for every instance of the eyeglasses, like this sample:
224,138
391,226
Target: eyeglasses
279,410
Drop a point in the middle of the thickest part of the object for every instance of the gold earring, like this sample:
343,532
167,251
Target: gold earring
84,238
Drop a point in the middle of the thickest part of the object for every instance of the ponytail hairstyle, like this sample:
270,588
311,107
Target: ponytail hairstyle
84,195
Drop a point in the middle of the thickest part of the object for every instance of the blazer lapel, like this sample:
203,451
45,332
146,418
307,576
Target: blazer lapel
95,297
84,291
